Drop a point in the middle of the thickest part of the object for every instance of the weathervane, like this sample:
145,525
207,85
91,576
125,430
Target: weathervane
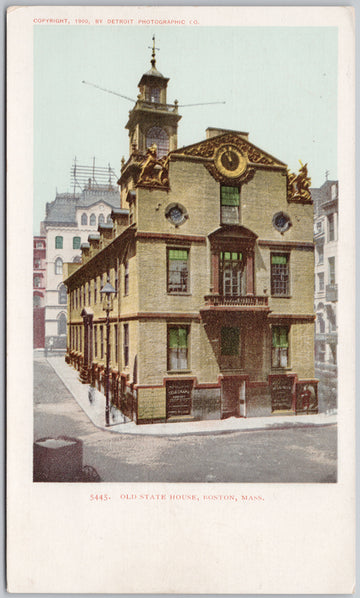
153,48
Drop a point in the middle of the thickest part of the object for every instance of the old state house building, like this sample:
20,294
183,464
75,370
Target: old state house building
211,257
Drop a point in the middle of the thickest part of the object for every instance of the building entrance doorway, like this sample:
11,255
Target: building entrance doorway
233,397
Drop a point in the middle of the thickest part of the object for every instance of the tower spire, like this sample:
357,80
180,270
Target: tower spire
153,58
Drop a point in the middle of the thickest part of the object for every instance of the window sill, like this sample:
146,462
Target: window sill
179,293
178,372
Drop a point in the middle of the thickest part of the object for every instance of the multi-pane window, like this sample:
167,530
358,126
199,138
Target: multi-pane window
83,218
58,266
76,242
101,219
280,274
59,242
230,340
178,347
126,278
152,94
280,346
331,270
331,227
95,341
62,294
232,275
230,205
178,271
101,342
126,345
92,220
160,137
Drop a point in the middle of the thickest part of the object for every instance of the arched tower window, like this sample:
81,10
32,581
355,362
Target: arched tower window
58,265
83,218
61,324
160,137
62,294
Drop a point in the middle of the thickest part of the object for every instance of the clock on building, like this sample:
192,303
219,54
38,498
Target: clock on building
230,161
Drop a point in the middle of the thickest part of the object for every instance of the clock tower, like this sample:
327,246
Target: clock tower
152,120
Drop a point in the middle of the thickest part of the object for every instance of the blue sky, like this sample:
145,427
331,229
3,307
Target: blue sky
279,84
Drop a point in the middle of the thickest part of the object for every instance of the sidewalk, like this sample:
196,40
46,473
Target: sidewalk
121,425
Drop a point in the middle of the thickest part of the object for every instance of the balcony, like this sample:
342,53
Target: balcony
331,292
236,303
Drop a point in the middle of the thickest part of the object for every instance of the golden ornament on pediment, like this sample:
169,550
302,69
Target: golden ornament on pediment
298,185
154,173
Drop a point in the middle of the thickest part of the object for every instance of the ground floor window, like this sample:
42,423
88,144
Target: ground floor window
280,346
126,345
177,354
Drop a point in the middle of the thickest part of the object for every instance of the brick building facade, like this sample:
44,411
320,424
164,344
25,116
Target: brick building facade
211,256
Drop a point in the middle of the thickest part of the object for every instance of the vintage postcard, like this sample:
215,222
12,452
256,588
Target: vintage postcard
181,351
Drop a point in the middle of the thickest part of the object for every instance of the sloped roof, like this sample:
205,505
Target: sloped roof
63,208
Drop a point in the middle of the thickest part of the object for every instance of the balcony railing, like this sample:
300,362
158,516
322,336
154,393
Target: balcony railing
331,292
236,301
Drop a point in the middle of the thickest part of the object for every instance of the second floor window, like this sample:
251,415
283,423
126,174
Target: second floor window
83,218
280,274
59,242
178,271
230,205
76,242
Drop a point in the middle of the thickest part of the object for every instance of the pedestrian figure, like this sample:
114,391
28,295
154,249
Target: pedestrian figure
91,394
51,343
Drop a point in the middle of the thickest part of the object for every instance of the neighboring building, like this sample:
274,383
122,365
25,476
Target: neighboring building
69,220
211,257
326,209
39,286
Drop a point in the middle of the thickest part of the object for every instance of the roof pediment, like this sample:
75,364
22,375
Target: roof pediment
210,150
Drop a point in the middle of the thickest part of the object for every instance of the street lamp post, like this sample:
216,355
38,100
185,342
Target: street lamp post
107,293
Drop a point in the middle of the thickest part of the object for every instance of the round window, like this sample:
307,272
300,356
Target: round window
281,222
176,214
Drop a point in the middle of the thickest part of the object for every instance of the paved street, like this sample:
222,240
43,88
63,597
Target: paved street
304,454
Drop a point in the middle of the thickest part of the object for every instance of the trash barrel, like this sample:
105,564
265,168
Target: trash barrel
58,459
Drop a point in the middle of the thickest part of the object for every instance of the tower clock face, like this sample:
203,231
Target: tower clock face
230,161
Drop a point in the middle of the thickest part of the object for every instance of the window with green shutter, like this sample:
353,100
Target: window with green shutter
76,242
230,204
280,274
280,346
230,340
58,242
178,347
178,271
